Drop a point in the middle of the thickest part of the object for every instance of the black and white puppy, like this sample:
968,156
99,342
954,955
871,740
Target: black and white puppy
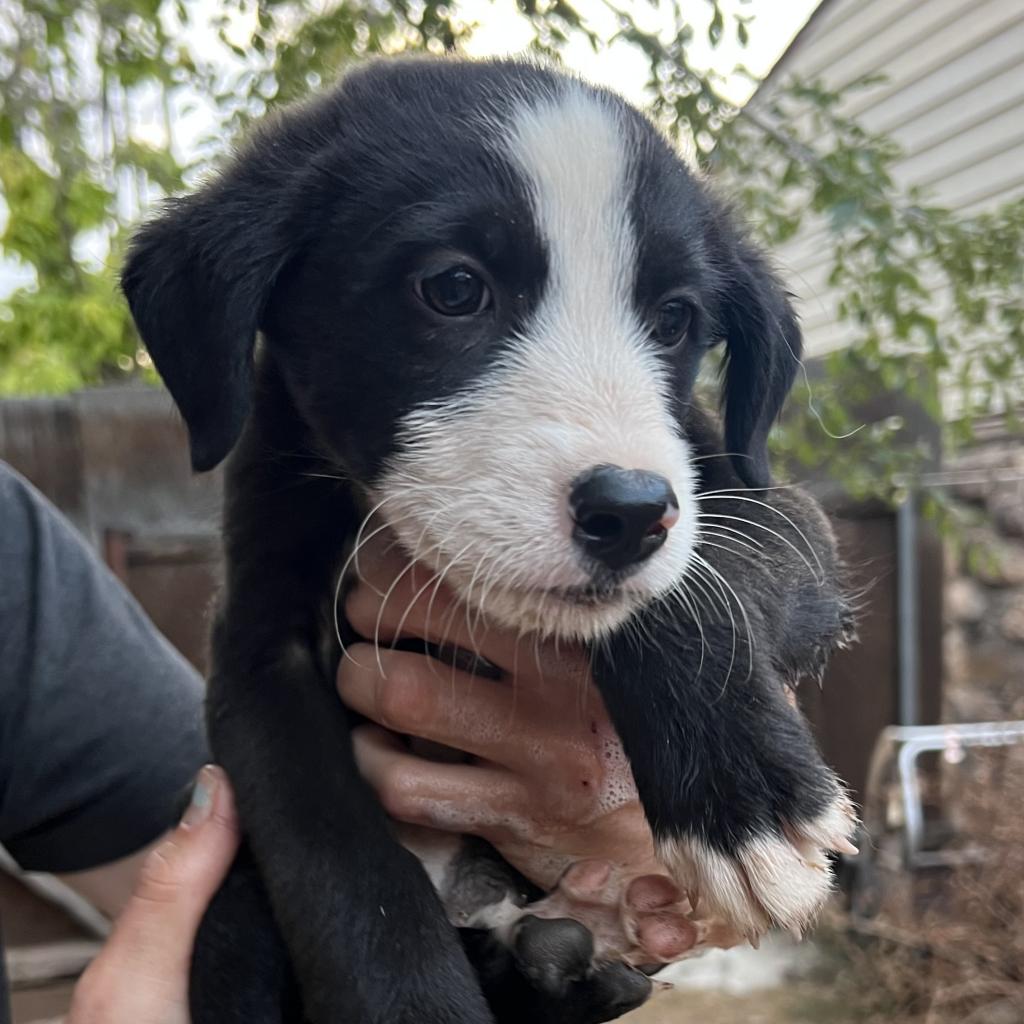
482,293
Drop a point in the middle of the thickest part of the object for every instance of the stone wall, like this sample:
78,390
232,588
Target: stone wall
984,633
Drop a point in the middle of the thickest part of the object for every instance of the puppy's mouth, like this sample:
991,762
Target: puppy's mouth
574,612
590,595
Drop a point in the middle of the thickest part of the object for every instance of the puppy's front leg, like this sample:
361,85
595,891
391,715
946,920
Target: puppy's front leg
363,926
365,931
743,809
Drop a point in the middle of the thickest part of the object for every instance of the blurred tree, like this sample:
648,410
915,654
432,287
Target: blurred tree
72,172
937,301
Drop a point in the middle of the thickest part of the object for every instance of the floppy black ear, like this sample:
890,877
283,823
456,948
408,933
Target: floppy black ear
763,349
197,279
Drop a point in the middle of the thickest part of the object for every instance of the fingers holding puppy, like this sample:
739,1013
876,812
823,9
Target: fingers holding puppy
458,798
413,694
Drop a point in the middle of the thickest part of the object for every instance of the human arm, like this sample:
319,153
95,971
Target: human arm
100,718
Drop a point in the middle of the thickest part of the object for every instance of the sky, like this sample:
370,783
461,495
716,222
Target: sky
623,68
500,31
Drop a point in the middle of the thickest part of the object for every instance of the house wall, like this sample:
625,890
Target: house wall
953,99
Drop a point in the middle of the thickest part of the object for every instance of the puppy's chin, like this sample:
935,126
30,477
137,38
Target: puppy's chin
559,613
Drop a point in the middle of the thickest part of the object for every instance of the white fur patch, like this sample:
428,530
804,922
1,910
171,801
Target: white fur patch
772,880
436,851
480,485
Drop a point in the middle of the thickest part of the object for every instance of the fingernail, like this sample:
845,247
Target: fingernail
203,794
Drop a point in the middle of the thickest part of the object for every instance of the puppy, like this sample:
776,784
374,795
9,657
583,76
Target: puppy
472,299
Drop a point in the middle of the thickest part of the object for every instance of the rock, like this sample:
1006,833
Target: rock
1011,622
1005,567
1006,506
965,601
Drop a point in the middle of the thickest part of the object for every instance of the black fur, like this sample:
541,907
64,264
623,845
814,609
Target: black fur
308,237
732,758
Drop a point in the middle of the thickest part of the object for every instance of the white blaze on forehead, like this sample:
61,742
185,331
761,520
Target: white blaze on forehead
586,352
480,483
572,153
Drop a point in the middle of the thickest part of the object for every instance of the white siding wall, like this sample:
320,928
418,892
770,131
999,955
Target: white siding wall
953,98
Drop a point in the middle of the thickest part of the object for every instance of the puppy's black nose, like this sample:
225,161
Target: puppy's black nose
622,516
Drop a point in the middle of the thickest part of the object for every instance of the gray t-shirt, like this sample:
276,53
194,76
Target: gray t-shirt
100,718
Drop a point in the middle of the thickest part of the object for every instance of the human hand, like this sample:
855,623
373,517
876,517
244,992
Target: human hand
141,974
547,782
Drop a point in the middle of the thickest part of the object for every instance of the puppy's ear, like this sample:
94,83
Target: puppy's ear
197,279
763,349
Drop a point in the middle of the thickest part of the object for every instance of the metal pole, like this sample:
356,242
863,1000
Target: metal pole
907,610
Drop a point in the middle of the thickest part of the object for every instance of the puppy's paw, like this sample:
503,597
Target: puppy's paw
552,952
617,916
772,879
557,958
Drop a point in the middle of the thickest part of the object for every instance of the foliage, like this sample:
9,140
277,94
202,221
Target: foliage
934,302
73,169
91,92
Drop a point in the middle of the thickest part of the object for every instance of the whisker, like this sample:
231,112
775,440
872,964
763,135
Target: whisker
681,596
387,596
720,455
715,599
353,557
782,515
733,492
468,599
359,542
740,534
326,476
743,613
490,580
440,583
735,596
409,607
380,615
725,547
701,578
775,533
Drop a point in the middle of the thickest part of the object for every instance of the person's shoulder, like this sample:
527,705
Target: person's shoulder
14,487
30,523
19,500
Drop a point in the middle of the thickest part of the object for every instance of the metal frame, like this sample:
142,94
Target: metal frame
907,744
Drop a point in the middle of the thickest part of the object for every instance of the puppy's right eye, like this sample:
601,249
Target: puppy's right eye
671,322
456,291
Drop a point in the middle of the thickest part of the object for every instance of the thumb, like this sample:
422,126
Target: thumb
180,876
145,962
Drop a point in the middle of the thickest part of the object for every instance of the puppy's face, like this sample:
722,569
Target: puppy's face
489,288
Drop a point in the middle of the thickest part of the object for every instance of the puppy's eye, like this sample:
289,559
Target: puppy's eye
457,291
672,321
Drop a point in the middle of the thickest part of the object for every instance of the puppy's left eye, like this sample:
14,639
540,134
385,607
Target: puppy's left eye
457,291
672,321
